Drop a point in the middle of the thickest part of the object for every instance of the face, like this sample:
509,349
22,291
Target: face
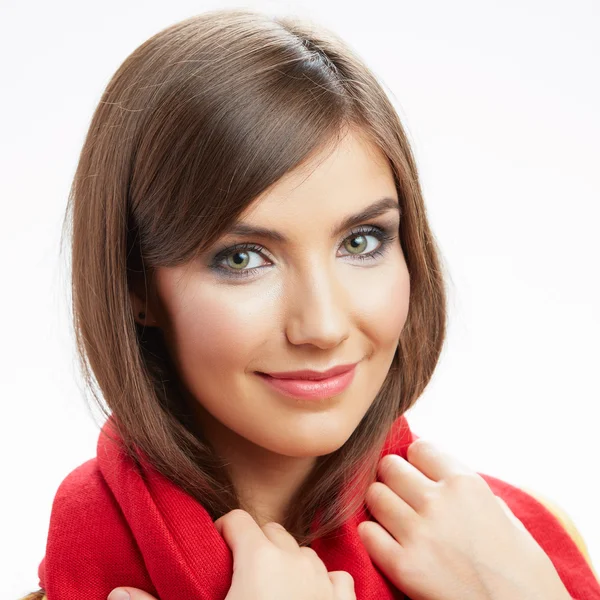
316,297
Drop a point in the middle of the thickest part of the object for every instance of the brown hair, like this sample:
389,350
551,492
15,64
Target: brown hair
194,125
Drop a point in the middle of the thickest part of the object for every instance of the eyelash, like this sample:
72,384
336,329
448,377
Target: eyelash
384,235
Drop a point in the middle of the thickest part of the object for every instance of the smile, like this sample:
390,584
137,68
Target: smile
314,389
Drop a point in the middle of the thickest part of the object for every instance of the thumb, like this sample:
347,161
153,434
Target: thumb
343,585
219,525
129,594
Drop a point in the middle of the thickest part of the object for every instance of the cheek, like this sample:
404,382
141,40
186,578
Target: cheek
383,306
216,328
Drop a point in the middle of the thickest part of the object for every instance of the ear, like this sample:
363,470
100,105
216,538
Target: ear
143,309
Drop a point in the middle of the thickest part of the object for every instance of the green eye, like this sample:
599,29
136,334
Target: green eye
367,242
356,247
239,260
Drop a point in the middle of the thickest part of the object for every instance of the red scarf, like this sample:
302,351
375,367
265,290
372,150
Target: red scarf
114,524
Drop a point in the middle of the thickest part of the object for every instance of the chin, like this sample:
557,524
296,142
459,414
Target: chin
317,442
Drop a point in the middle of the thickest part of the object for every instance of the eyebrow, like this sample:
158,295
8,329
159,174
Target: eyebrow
376,209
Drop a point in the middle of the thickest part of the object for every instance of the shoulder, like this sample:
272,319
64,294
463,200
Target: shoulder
566,521
82,490
86,527
84,479
549,525
82,499
84,494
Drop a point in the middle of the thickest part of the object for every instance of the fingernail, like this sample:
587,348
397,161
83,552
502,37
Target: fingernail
119,594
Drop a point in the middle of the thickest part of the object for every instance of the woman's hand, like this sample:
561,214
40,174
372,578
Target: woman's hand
441,533
270,565
129,594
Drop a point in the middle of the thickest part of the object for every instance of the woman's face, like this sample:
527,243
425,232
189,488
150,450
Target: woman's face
315,297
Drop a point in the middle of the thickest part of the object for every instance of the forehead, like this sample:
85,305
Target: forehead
332,182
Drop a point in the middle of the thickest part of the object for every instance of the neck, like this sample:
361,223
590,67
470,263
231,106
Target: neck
265,481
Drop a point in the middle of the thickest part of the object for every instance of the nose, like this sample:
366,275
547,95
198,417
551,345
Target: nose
318,311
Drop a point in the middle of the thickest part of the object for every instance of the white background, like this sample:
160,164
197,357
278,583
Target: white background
501,102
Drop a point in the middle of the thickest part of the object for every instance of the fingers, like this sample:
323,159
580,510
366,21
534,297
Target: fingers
315,558
280,536
240,530
390,510
387,554
433,462
414,478
404,479
129,594
343,585
242,534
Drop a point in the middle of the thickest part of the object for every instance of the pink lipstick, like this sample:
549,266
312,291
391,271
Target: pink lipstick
312,384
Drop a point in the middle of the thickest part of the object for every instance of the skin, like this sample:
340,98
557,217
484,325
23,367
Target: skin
310,304
439,531
439,534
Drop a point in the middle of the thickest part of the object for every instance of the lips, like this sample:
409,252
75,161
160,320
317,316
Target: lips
311,375
311,389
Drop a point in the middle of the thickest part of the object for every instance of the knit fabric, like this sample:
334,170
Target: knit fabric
114,523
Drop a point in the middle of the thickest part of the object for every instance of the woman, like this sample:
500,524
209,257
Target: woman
259,297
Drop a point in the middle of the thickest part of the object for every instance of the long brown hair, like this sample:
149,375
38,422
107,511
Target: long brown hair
194,125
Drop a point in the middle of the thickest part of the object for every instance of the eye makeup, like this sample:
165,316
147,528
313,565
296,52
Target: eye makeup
384,234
